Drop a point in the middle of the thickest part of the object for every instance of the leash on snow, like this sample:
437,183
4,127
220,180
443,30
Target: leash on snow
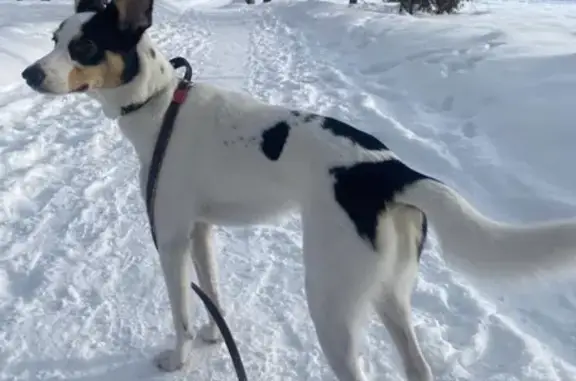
178,98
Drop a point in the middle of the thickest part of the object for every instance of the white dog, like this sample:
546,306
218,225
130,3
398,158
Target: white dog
235,160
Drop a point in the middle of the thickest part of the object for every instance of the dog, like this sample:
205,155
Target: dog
235,160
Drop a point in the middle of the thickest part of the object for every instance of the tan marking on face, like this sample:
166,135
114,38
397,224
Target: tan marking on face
107,74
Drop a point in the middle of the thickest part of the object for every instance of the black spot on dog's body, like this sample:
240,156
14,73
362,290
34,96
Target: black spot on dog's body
274,139
310,117
423,235
185,328
339,128
364,190
361,138
152,53
245,141
162,70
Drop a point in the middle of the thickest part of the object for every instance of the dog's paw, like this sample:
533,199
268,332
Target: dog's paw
170,361
210,333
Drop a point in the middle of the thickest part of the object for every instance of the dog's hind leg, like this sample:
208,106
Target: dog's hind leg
403,234
206,270
340,274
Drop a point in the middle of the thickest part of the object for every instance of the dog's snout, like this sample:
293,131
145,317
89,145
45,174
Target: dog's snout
34,76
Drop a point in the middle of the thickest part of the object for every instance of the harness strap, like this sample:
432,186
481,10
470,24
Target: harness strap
178,98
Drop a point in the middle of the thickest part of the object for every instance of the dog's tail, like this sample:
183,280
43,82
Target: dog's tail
482,247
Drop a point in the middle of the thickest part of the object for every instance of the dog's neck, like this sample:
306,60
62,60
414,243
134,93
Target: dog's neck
155,76
152,88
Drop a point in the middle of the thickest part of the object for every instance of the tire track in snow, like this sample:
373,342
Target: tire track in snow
280,55
282,70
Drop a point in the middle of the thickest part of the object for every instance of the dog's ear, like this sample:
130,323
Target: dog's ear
134,16
89,5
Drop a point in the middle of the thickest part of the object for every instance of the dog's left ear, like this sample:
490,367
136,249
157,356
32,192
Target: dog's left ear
89,5
134,16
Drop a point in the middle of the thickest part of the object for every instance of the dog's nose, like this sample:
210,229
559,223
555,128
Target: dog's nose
34,75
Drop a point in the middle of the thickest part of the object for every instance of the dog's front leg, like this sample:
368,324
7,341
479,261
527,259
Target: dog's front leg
206,270
174,261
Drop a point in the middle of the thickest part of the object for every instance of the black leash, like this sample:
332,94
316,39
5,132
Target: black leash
162,141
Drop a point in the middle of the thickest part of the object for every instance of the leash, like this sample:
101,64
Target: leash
178,98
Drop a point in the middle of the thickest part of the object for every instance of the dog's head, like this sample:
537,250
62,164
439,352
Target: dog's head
93,49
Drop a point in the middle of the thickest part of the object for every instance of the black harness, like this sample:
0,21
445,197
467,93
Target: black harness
178,98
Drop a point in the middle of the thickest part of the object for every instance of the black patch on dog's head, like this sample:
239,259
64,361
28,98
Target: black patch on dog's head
125,19
106,47
364,190
106,30
274,139
356,136
90,5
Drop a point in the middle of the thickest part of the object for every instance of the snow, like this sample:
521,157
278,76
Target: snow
482,99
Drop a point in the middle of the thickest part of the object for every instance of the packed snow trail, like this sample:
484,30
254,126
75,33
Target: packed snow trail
81,291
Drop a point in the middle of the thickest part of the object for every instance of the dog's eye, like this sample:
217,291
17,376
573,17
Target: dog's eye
82,50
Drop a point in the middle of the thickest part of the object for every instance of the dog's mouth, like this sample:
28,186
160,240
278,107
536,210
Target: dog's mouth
81,89
45,91
41,89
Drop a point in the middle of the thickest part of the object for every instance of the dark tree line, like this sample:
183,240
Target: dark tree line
432,6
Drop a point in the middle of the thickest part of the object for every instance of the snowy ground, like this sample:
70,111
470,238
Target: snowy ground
484,100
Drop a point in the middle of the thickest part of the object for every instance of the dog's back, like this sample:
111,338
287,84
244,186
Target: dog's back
259,155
